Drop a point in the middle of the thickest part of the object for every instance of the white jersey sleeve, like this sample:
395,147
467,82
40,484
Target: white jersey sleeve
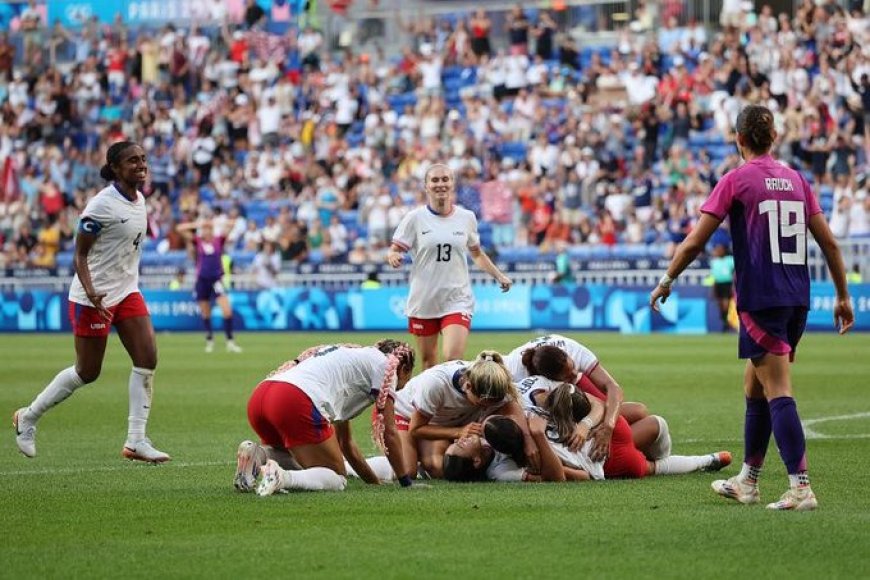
584,359
438,246
579,459
503,468
113,262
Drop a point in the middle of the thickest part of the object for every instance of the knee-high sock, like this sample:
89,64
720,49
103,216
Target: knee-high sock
314,479
141,386
60,387
679,464
756,432
789,434
228,327
379,464
661,447
209,333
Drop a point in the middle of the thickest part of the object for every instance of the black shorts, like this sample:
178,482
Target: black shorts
722,290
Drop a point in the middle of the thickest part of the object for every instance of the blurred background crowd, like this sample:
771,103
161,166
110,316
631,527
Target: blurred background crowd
312,149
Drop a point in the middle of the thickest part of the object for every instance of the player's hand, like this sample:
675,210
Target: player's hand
533,456
601,442
578,437
97,301
844,317
537,425
659,292
394,259
505,283
471,429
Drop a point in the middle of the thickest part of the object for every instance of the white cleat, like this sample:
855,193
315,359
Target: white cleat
797,499
143,451
272,480
209,346
25,433
736,489
249,459
233,347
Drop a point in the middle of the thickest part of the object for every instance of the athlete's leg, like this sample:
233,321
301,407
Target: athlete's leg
223,302
323,469
633,412
137,336
644,433
431,455
455,337
205,312
427,346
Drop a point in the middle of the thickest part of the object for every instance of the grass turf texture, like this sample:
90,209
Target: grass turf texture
79,510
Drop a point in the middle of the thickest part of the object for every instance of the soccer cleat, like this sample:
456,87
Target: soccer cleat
25,433
143,451
721,460
272,480
249,459
209,346
736,489
797,499
233,347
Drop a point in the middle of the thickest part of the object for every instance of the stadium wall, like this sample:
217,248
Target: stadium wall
553,307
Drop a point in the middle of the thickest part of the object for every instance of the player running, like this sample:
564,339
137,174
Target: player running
438,236
209,279
770,207
305,408
105,293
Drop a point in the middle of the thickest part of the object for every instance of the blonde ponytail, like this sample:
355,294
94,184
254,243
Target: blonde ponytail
489,378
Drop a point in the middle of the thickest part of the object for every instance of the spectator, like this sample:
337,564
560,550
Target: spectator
266,266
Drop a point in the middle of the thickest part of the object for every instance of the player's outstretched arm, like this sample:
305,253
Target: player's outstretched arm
393,445
551,467
484,263
352,453
844,317
685,254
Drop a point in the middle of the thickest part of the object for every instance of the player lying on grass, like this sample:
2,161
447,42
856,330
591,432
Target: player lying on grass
305,407
449,401
562,359
576,409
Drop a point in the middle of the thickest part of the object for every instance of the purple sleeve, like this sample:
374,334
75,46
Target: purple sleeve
813,206
719,202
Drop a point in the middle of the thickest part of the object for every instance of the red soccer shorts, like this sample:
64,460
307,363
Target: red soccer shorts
624,460
87,322
430,326
402,423
284,416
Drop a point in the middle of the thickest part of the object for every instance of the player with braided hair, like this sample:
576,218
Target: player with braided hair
306,407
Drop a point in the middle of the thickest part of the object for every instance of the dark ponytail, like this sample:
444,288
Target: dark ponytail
755,125
567,407
113,154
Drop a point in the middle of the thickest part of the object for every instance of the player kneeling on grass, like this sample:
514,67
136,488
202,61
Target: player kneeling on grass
574,412
305,408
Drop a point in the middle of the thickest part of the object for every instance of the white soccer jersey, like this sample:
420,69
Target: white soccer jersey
404,402
340,381
503,468
120,226
439,273
584,359
437,394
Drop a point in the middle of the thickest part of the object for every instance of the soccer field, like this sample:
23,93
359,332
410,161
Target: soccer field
79,510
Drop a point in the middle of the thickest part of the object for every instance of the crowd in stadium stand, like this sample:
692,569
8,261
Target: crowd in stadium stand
554,143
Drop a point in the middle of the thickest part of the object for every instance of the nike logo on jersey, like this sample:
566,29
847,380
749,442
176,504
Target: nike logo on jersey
125,221
424,232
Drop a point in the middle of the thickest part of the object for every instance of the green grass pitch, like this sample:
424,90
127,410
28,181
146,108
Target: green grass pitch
79,511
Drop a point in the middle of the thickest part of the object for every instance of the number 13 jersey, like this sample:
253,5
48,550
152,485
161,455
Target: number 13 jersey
439,274
120,226
769,206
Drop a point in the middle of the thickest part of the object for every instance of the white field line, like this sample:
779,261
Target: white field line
813,434
110,468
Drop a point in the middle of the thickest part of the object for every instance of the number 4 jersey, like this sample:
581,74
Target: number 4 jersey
439,274
769,206
120,226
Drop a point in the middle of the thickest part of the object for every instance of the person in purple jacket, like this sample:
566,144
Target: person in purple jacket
209,274
770,208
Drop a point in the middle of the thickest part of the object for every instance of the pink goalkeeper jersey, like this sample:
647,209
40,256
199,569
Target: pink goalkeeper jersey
769,206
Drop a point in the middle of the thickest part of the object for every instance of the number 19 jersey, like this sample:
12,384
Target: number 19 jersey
120,226
439,273
769,206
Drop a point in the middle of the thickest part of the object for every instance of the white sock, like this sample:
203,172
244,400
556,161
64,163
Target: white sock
679,464
382,468
749,474
661,447
141,385
314,479
379,464
60,387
